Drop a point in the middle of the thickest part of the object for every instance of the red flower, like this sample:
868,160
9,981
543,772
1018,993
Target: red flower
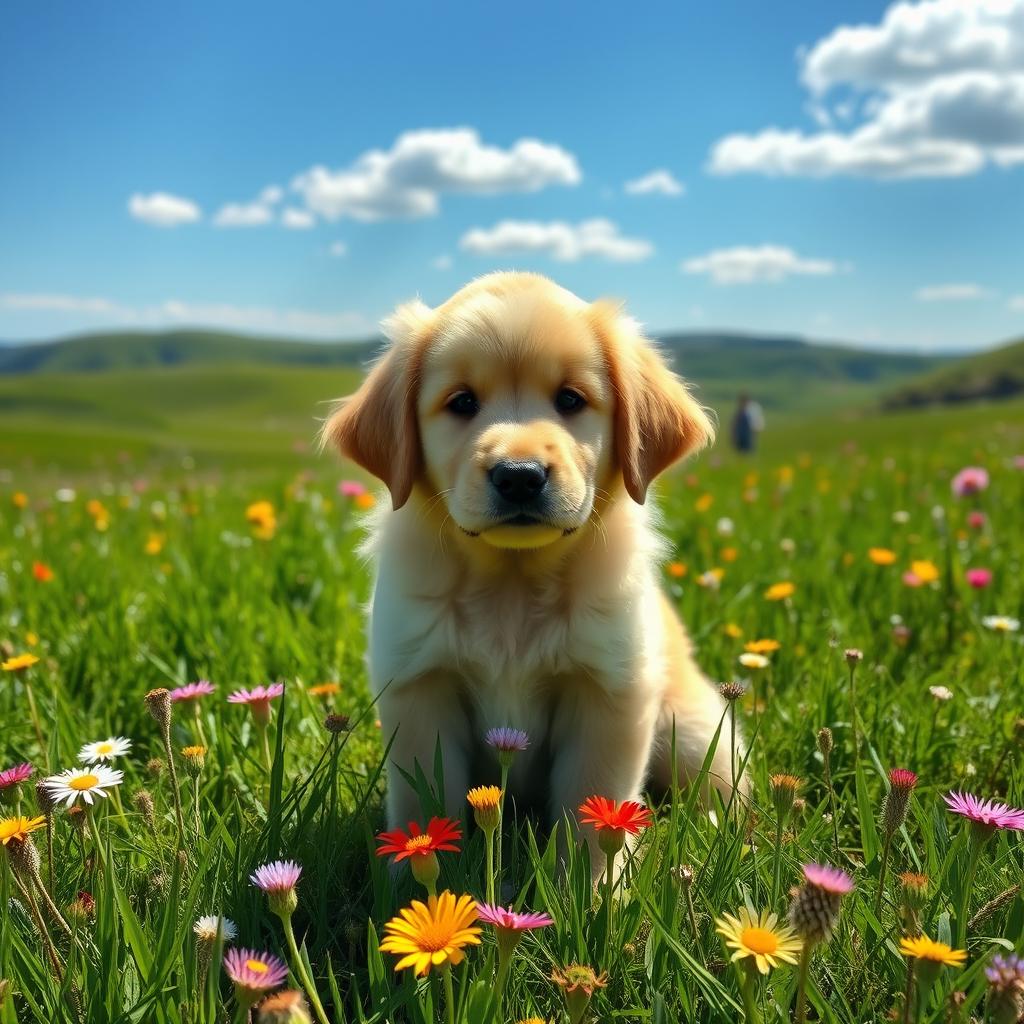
42,572
439,835
629,816
902,778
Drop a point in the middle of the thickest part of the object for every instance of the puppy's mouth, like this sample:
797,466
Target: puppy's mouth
521,520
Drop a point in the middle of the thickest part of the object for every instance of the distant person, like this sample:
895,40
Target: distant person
747,424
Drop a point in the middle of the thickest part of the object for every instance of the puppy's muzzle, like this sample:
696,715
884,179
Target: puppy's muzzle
518,484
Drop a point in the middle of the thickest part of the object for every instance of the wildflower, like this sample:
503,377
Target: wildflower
924,571
158,704
780,591
506,740
432,934
286,1007
732,691
258,699
978,578
579,984
155,543
997,623
712,579
253,974
970,480
941,693
42,572
881,556
704,502
104,750
208,928
751,660
894,810
19,662
421,848
825,741
677,570
192,691
760,937
923,948
351,488
732,630
784,789
787,545
195,759
11,779
486,804
913,899
324,689
86,783
336,724
17,829
262,518
19,499
1005,977
986,816
814,911
612,821
976,520
766,646
511,926
278,880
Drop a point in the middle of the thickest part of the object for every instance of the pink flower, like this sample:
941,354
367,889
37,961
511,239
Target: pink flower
976,520
911,579
830,879
253,974
258,699
988,814
351,488
511,919
1018,462
978,578
278,876
193,691
902,778
12,776
970,480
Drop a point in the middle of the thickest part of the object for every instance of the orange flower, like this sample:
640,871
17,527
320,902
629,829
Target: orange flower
704,502
19,499
602,813
765,646
780,591
676,570
729,554
925,571
365,501
42,572
323,689
881,556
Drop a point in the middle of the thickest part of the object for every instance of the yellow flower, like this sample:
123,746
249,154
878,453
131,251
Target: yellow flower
155,544
432,934
729,554
765,646
32,639
196,751
19,662
704,502
780,591
925,571
323,689
732,630
785,474
263,519
761,937
484,798
923,948
19,499
881,556
17,829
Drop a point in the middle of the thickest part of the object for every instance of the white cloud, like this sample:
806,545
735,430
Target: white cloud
163,210
660,182
407,180
338,249
297,220
940,85
250,215
442,262
307,323
752,264
1016,303
950,292
557,239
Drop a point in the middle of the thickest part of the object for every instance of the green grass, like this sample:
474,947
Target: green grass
214,602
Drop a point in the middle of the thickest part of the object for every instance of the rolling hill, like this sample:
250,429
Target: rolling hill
996,374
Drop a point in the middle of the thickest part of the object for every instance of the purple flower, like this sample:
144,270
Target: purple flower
507,740
253,974
987,813
970,480
193,691
12,776
830,879
278,876
510,919
1006,972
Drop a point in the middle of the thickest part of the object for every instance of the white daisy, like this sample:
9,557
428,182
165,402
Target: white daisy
941,692
82,782
206,928
750,660
104,750
1001,623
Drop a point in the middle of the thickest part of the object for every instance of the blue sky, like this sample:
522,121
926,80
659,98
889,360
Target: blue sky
789,173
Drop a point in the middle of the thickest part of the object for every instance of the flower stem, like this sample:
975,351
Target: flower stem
90,816
976,842
300,970
886,847
449,994
832,803
501,979
752,1013
34,712
501,820
801,990
609,887
175,792
198,717
777,869
195,801
489,846
908,994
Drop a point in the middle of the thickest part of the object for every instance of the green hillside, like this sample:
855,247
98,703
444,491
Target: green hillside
996,374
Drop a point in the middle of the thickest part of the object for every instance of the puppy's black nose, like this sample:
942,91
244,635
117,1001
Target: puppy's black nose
519,482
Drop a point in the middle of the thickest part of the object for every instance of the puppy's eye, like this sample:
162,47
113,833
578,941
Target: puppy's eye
568,401
464,404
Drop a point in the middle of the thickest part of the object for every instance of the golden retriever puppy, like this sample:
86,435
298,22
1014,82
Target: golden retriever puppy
518,428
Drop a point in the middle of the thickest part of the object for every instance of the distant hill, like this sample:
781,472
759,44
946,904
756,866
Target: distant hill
783,373
996,374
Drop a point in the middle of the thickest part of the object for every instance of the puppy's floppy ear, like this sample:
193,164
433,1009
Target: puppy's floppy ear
657,421
377,427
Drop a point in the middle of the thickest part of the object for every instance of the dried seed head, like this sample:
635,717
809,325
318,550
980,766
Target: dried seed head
24,859
732,691
336,724
825,742
144,805
45,800
155,766
158,703
853,655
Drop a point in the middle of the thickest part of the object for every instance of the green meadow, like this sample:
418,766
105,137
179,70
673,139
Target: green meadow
132,559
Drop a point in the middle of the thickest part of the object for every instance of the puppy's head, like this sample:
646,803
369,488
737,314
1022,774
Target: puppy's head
518,405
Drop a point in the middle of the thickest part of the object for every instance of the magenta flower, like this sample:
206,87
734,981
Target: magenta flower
278,876
193,691
258,699
970,480
254,974
976,520
911,579
830,879
902,778
989,815
510,919
351,488
507,740
12,776
978,578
